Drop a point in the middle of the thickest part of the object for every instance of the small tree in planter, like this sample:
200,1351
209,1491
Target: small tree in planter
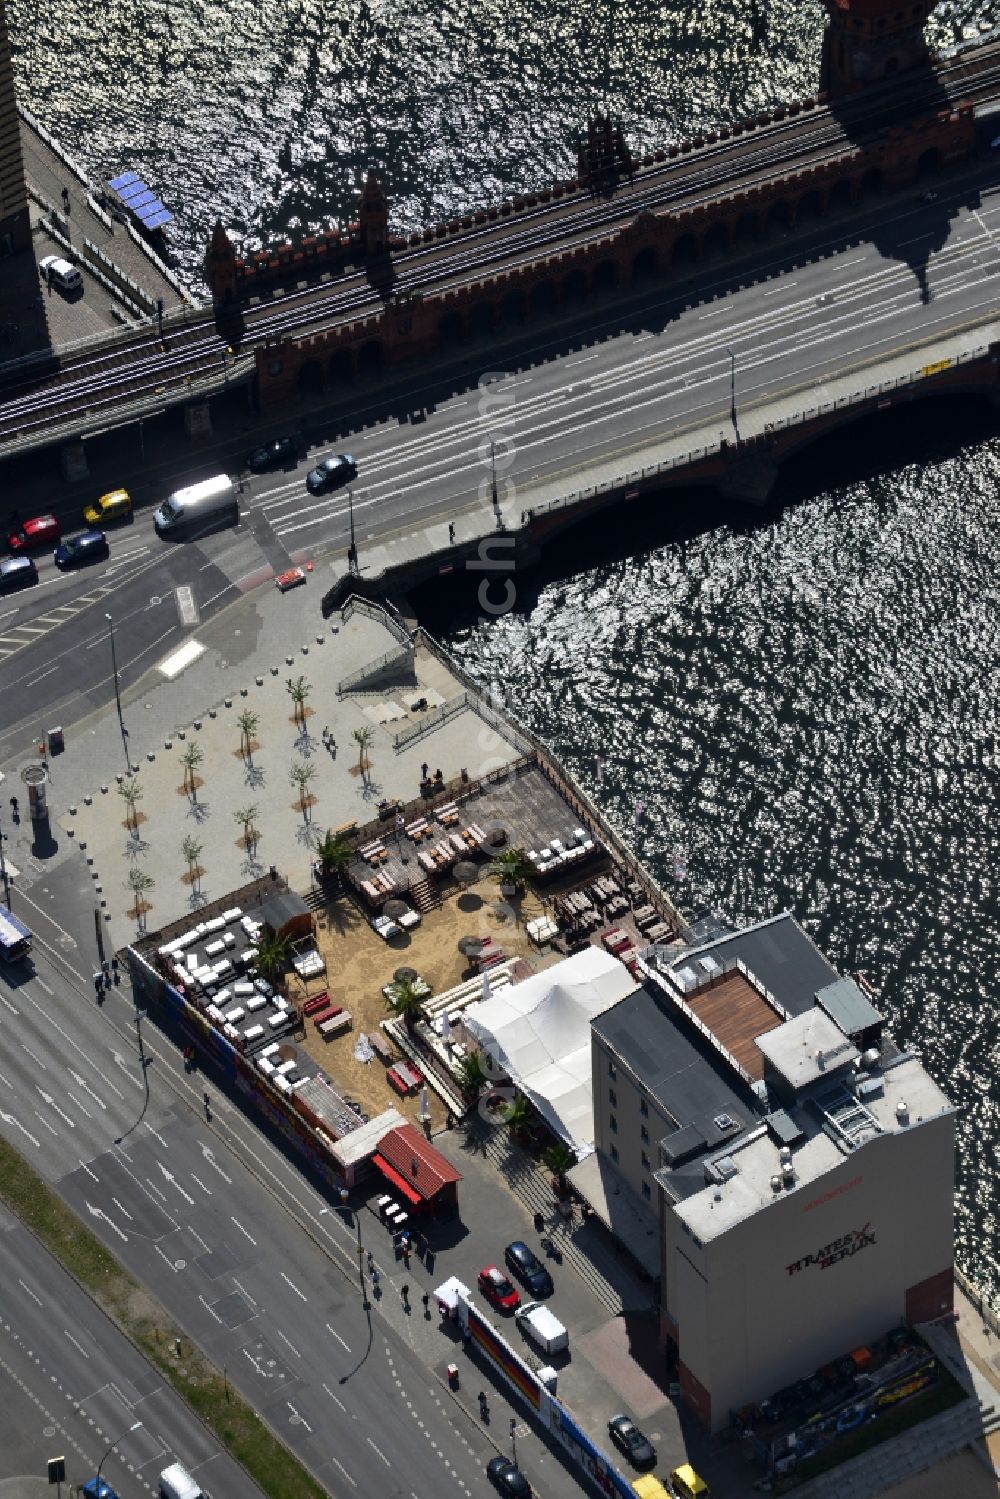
131,794
247,817
272,955
559,1158
511,870
249,723
520,1118
139,882
192,851
298,690
334,853
407,1001
471,1076
300,773
191,759
363,738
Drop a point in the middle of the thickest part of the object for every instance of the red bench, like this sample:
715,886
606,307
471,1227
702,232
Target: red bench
396,1083
327,1014
316,1003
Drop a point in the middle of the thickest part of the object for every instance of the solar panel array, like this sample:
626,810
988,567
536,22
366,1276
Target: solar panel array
142,201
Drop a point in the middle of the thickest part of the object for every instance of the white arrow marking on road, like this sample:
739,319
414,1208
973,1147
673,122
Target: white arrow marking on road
100,1213
51,1103
126,1066
171,1178
9,1119
82,1083
209,1155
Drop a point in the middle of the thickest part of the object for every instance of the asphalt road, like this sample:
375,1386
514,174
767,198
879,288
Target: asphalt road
803,316
72,1385
251,1261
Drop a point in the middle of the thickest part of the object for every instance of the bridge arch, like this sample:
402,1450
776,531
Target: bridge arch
371,357
311,379
841,195
340,366
779,217
645,263
511,310
718,238
686,250
871,182
575,287
605,277
482,319
810,205
543,299
451,329
929,162
747,227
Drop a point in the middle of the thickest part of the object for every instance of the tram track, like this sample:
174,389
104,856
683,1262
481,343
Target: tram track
97,383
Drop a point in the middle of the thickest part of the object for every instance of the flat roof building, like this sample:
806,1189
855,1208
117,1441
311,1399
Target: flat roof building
799,1165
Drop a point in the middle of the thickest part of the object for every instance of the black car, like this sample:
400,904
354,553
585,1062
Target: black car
508,1478
75,551
279,451
17,572
629,1439
525,1264
331,473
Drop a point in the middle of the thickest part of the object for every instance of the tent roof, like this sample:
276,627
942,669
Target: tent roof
416,1160
539,1032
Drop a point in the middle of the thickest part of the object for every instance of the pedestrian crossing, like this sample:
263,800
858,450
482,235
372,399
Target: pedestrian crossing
18,636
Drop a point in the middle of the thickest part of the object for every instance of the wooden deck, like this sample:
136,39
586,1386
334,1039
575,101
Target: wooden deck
735,1013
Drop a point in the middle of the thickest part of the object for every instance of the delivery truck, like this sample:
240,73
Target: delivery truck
15,938
546,1331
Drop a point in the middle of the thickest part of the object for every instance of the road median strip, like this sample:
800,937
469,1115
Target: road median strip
137,1314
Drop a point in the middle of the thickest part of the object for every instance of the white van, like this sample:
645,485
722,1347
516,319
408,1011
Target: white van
176,1483
542,1328
61,273
202,504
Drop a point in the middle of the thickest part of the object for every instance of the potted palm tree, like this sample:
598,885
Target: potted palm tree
520,1119
334,854
406,1000
559,1158
272,955
471,1076
511,869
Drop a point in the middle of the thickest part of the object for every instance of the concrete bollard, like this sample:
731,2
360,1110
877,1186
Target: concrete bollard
275,670
320,639
212,713
228,702
245,691
259,681
305,650
72,811
150,756
197,723
104,790
180,733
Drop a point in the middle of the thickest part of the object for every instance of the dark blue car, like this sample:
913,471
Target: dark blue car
77,551
528,1268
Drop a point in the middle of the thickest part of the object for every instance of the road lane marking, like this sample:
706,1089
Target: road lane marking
377,1452
291,1345
343,1470
78,1346
244,1292
294,1287
30,1292
243,1231
123,1211
209,1309
335,1398
336,1334
43,985
90,1173
201,1184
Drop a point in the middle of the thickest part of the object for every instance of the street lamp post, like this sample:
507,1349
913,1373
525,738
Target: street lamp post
118,698
352,550
3,870
732,391
513,1439
344,1194
97,1481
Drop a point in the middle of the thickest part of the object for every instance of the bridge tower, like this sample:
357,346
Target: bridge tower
15,225
869,41
220,266
373,217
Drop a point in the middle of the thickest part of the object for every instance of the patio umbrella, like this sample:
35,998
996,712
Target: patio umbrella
395,908
469,947
465,872
441,1025
487,991
405,975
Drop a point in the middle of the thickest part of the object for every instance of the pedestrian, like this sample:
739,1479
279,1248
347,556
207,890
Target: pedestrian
425,1298
14,808
404,1292
423,771
114,972
371,1264
98,985
326,736
106,970
451,533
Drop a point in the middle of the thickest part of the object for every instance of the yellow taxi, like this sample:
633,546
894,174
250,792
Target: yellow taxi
687,1485
115,505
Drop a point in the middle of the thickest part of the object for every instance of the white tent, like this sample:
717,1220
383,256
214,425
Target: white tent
539,1033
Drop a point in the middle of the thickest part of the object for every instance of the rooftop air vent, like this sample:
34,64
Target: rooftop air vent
870,1058
724,1122
775,1183
902,1113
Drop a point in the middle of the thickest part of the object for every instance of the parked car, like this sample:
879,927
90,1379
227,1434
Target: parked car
40,531
528,1268
508,1478
686,1483
77,551
113,506
62,273
272,454
331,473
544,1330
17,572
629,1439
498,1290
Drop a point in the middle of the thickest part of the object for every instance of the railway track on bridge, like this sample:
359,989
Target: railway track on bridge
121,373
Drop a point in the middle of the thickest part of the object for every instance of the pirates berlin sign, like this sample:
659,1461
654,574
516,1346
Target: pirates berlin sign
840,1249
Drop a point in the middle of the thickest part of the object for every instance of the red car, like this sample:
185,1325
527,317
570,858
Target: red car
40,531
498,1290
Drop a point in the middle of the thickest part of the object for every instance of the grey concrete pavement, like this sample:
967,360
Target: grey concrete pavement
80,1385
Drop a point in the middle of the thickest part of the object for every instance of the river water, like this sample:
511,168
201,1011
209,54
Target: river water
801,701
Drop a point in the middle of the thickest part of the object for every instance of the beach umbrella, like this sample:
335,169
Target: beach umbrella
395,908
465,872
405,975
487,991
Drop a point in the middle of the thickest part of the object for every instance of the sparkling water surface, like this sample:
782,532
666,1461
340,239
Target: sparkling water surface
805,702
